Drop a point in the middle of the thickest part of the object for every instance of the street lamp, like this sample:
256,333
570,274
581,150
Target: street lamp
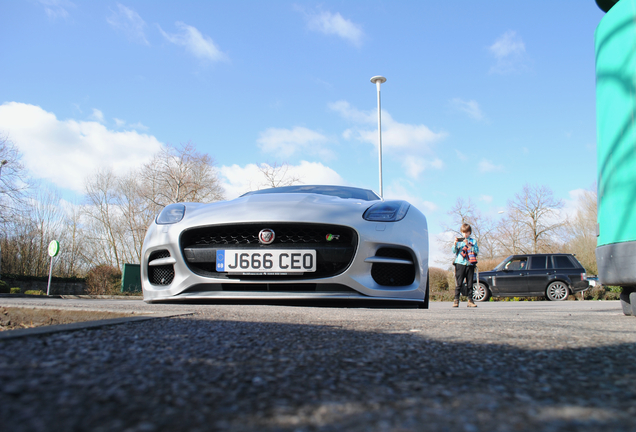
377,80
3,163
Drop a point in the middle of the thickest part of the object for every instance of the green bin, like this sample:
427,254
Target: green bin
131,278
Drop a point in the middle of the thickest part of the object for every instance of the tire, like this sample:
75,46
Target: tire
426,297
481,293
626,304
557,291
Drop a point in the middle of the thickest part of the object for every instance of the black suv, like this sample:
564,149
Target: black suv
554,276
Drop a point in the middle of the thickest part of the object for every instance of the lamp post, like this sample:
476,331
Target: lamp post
377,80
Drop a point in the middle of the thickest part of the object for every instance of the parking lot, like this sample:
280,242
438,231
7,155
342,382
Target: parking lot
503,366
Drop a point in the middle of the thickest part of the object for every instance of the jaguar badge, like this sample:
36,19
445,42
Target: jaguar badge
266,236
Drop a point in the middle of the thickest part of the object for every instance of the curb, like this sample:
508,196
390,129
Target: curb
72,296
37,331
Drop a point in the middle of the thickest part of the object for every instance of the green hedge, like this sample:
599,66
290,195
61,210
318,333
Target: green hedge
25,278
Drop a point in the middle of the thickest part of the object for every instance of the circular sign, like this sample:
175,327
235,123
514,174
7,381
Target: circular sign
54,248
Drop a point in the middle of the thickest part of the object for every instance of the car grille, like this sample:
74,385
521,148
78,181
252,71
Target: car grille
332,256
386,274
162,274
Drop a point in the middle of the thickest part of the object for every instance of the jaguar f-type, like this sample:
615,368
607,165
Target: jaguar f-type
294,243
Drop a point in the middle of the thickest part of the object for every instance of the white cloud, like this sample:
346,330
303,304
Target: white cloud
122,124
394,134
345,109
412,144
486,198
130,23
509,52
138,126
202,47
415,165
97,115
462,157
487,166
238,180
286,142
470,107
571,204
56,8
397,191
335,25
65,152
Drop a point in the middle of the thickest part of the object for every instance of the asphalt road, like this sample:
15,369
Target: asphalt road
505,366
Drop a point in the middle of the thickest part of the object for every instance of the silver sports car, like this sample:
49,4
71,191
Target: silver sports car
289,243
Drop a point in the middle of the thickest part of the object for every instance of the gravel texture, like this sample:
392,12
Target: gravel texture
504,366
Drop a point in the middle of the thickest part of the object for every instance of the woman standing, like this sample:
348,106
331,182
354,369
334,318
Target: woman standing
465,249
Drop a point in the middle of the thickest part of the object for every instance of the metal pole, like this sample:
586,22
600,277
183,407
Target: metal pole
377,80
48,287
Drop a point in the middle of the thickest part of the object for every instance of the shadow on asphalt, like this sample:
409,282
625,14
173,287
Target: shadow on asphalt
199,374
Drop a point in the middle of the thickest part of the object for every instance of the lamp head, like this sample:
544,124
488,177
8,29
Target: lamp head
378,78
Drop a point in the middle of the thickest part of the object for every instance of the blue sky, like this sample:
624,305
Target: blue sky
481,97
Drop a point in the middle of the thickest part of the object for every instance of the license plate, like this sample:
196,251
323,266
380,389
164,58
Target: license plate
281,261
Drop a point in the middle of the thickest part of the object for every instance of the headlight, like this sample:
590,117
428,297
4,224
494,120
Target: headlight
172,213
387,211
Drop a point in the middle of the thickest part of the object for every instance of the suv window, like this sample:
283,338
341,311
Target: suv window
516,264
540,262
563,261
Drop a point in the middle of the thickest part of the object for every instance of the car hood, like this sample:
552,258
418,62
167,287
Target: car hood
487,273
293,207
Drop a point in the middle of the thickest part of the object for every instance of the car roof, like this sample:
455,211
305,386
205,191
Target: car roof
331,190
541,254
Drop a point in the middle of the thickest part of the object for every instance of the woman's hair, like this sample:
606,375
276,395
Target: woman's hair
466,228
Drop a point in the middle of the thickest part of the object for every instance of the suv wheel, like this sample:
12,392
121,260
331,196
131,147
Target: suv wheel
557,291
480,292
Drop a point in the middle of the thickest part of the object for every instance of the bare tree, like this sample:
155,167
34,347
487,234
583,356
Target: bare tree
40,220
137,213
483,229
120,208
581,231
533,215
14,183
71,260
48,218
18,246
510,235
103,217
278,175
180,174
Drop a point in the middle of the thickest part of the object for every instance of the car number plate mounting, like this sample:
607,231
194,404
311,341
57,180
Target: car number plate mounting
266,261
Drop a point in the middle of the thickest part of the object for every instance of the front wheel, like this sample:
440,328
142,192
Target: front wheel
480,292
557,291
628,301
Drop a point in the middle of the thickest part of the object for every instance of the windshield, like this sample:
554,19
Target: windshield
337,191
